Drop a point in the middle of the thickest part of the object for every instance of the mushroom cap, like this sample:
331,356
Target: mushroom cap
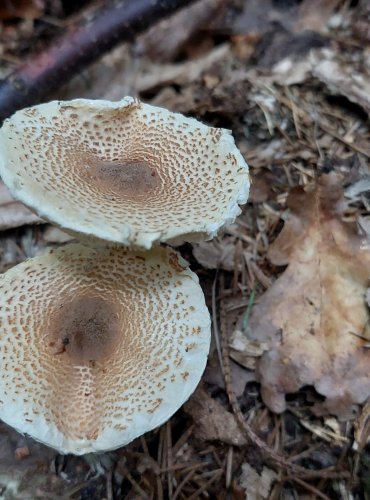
99,345
124,172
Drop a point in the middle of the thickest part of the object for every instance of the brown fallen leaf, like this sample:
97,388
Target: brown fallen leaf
155,75
342,78
164,41
215,254
213,422
257,486
245,351
118,73
314,318
239,375
12,212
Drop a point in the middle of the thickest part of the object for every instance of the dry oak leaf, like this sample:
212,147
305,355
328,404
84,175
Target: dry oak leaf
212,421
315,318
257,486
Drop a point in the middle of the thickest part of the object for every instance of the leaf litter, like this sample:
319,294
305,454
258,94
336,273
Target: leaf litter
291,84
314,318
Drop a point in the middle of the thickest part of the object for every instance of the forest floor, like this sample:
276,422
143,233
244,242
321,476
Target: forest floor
286,284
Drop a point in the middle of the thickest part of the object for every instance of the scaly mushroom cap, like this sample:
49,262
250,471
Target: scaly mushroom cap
98,346
123,171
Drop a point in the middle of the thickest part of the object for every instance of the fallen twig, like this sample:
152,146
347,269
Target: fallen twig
82,44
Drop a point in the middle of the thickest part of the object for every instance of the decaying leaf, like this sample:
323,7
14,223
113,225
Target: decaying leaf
239,375
164,41
315,318
257,486
246,351
215,254
213,422
343,79
118,74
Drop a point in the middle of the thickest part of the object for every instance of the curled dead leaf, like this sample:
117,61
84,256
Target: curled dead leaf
240,376
215,254
257,486
213,422
342,79
315,318
245,351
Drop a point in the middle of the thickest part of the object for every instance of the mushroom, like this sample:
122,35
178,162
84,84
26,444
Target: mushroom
124,172
99,345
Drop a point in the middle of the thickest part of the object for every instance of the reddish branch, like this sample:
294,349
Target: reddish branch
82,44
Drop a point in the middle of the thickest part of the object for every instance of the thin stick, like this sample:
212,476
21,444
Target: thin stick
109,487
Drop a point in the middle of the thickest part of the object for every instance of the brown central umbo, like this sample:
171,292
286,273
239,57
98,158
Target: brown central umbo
85,330
124,178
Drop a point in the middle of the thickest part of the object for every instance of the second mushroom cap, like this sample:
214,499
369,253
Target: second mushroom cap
124,172
98,346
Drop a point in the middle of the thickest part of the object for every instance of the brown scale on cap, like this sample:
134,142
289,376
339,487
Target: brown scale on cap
94,342
124,172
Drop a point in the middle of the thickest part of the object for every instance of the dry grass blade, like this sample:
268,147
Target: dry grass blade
229,467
